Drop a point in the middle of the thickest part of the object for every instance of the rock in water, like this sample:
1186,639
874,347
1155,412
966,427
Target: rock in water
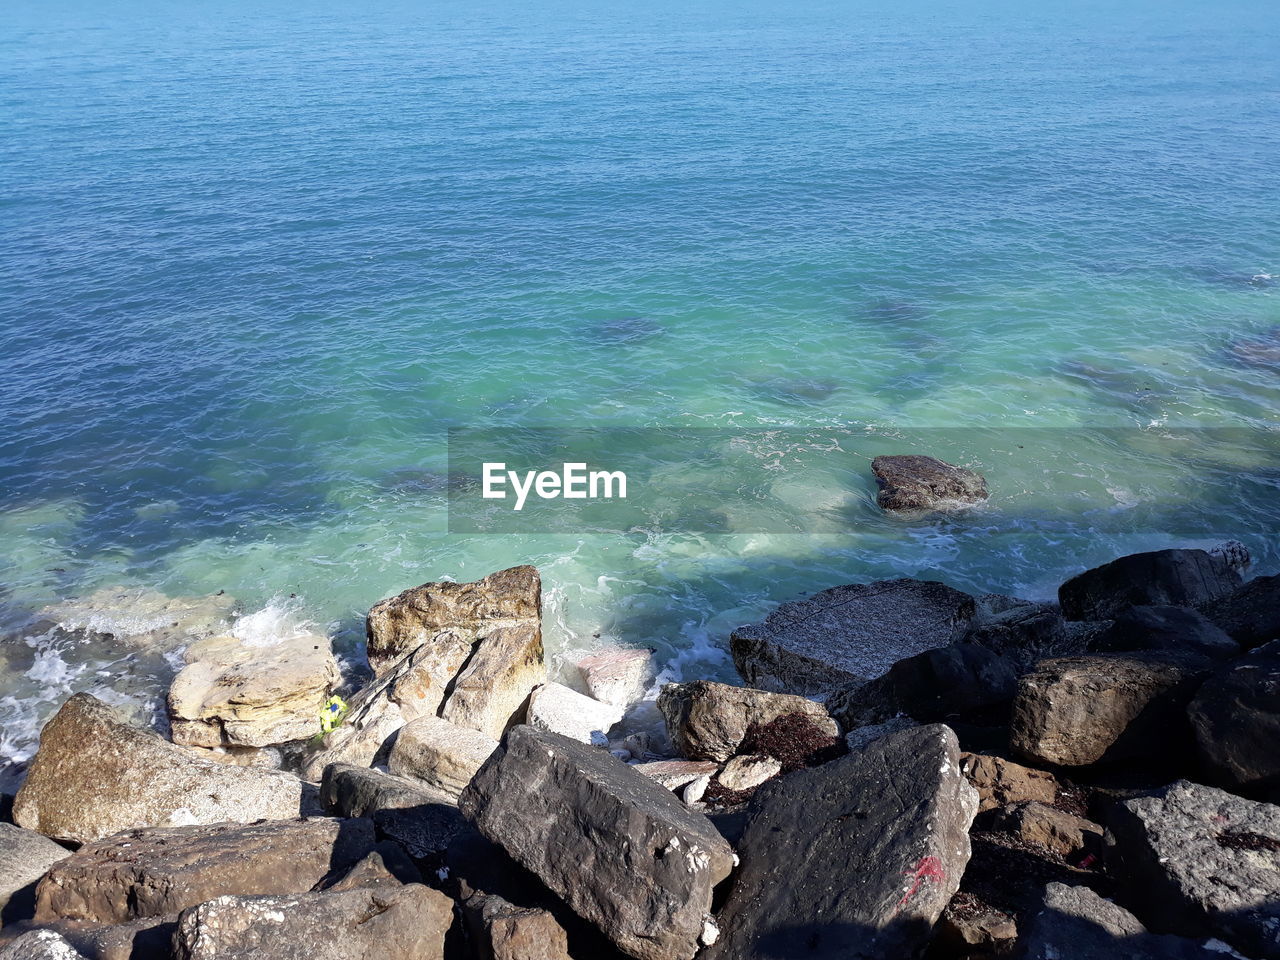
620,850
1199,861
25,857
151,873
235,694
440,754
1251,615
399,625
1180,578
95,775
708,721
848,634
1236,719
1074,711
372,923
911,482
854,859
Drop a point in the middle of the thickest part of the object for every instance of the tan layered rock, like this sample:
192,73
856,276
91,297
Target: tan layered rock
439,753
233,693
491,692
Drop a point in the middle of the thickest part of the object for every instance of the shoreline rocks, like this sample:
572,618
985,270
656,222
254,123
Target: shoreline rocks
708,720
915,483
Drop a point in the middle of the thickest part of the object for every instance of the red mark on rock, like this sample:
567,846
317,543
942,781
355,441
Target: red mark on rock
927,868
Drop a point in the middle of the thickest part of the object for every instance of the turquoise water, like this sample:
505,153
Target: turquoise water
257,261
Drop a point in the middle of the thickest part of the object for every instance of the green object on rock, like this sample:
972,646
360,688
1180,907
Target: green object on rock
332,714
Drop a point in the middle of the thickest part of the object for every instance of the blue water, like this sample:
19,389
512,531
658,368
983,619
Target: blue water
256,260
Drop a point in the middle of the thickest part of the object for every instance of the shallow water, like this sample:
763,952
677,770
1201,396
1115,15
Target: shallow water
257,262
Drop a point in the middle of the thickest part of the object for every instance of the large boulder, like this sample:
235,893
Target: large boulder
1000,782
403,623
620,850
1162,577
421,819
709,721
1074,711
152,873
95,775
440,754
491,692
560,709
911,482
1019,630
848,634
370,923
1199,861
233,693
1236,719
1251,615
1178,630
854,859
25,857
503,931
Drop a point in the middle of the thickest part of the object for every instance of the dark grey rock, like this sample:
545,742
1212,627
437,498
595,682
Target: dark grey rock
854,859
1161,577
708,721
1236,719
420,818
1233,553
1251,615
386,865
25,857
620,850
40,945
1176,630
1198,861
911,482
1019,629
848,634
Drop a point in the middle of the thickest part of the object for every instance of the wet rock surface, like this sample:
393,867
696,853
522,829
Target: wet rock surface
911,482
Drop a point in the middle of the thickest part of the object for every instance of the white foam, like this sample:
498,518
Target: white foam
279,620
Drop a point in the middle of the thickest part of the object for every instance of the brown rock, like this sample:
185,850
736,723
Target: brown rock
503,931
913,482
747,773
1000,782
439,753
708,721
491,692
674,774
1053,829
968,924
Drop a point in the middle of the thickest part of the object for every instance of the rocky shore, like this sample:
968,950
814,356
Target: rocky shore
908,771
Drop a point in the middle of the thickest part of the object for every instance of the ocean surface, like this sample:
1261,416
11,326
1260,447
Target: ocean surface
257,259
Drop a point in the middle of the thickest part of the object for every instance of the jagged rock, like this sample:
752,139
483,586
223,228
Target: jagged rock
968,926
143,619
491,692
1074,711
1251,615
615,675
1233,553
95,775
558,709
1177,630
960,680
422,820
440,754
503,931
615,846
40,945
232,693
1019,630
371,923
1236,719
708,721
854,859
1162,577
1000,782
25,857
142,939
747,773
848,634
152,873
397,626
1063,833
1199,861
912,482
674,774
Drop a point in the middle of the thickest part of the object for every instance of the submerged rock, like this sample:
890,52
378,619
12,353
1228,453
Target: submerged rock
95,775
143,619
1236,719
1159,578
911,482
620,850
848,634
709,721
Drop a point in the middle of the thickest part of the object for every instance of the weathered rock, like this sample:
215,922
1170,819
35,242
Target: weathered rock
558,709
142,939
616,676
491,692
503,931
385,865
397,626
674,774
1251,615
422,820
1074,711
747,773
1233,553
1236,719
1056,830
855,859
1019,630
912,482
1162,577
1000,782
25,857
440,754
1171,630
848,634
615,846
371,923
151,873
252,695
40,945
862,737
960,680
968,926
94,776
707,720
1199,861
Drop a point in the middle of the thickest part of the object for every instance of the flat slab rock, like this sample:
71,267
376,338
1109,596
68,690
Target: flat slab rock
621,851
1203,862
848,634
853,859
912,482
1180,578
708,720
